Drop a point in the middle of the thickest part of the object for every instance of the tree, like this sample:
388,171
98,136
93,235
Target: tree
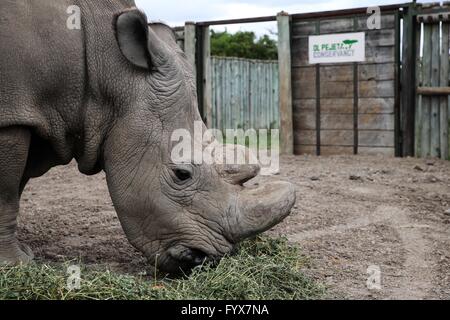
243,44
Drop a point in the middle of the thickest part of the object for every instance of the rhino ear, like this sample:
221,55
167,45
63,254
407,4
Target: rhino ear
132,36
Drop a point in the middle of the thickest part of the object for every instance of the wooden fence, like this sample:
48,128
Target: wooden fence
432,73
396,102
244,93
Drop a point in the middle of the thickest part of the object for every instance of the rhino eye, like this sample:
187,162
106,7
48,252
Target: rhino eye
182,174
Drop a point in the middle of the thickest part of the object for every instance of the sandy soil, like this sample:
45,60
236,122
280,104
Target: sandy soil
352,213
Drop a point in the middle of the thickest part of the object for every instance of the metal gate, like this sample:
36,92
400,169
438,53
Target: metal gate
347,108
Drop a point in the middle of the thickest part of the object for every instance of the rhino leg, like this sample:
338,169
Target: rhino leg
14,146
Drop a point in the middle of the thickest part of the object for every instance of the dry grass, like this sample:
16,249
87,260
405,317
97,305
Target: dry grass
262,269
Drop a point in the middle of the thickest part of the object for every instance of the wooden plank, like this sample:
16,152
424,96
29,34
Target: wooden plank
374,151
444,80
376,105
336,150
336,121
344,73
218,94
426,102
328,138
300,54
305,120
435,101
380,38
356,97
434,91
325,150
345,105
408,82
337,138
397,99
190,43
214,124
304,150
306,137
376,89
380,54
371,138
418,118
448,109
339,106
285,82
207,83
344,89
383,71
304,82
340,25
300,27
367,89
376,121
318,100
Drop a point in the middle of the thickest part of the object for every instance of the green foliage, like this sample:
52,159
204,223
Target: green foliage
243,45
262,269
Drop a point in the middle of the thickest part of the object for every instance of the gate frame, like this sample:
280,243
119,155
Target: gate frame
349,13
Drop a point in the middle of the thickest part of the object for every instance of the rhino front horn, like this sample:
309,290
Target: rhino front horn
260,209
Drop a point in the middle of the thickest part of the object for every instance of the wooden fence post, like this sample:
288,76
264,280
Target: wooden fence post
190,44
285,68
408,81
444,69
207,81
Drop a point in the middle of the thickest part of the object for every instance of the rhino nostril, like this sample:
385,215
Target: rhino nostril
189,257
198,257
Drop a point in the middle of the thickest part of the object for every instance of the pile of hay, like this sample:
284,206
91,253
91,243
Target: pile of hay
262,269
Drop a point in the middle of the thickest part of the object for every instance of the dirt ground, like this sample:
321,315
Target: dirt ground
352,213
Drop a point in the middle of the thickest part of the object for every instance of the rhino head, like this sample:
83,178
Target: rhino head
178,215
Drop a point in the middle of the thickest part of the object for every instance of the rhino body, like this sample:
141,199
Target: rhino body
109,95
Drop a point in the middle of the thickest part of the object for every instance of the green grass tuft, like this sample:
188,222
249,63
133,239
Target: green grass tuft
262,269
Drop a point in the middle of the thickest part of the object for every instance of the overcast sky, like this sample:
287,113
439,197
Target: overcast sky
176,12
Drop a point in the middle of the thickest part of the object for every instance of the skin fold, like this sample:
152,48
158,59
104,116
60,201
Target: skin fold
110,95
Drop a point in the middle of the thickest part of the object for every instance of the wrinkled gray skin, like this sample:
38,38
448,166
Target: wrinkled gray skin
110,95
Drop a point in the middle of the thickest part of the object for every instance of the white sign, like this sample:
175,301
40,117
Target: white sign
337,48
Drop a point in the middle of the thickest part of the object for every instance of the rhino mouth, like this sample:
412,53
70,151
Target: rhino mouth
181,259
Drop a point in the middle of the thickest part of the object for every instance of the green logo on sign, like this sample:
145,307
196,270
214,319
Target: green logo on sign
350,42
